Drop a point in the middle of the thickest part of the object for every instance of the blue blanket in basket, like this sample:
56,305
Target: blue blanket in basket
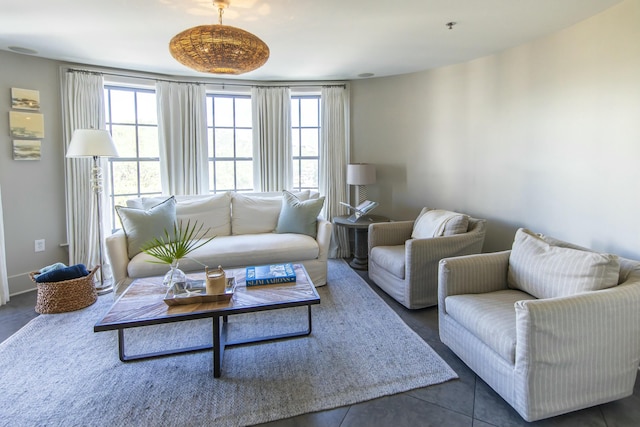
68,273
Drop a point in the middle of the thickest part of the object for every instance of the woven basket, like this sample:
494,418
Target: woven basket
67,295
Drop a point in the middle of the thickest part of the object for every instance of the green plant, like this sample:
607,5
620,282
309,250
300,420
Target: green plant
173,247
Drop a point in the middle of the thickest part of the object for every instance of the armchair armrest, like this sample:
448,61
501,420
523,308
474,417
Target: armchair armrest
118,257
472,274
389,233
558,340
323,237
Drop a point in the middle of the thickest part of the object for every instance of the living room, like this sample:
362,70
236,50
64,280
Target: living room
544,135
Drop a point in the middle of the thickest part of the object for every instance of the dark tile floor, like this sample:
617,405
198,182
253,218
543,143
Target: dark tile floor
468,401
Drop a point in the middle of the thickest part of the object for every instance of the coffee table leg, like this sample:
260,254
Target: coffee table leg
219,341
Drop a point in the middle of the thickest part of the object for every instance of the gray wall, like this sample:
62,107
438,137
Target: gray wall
544,135
32,191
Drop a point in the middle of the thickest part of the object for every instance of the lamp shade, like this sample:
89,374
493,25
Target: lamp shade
361,174
90,143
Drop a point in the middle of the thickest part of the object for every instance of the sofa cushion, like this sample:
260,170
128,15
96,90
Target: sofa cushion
547,271
253,215
391,258
491,317
298,216
235,251
438,222
143,225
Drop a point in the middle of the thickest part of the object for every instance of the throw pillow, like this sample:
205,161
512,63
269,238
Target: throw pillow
253,215
299,216
545,270
142,225
438,222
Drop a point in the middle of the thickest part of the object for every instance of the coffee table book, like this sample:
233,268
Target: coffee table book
270,274
194,292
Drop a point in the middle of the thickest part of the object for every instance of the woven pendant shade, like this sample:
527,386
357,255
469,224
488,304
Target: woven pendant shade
219,49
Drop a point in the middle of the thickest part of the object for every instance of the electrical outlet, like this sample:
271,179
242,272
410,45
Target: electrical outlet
39,244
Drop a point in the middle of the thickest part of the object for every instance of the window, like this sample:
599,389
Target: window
305,138
230,139
132,119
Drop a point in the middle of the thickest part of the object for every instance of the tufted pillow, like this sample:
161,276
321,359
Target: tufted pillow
545,270
253,214
299,216
143,225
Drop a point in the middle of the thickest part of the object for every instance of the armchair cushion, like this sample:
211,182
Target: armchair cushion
438,222
491,317
548,271
390,258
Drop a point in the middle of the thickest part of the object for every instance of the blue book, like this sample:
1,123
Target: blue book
270,274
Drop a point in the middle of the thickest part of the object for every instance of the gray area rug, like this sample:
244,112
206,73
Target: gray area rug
57,372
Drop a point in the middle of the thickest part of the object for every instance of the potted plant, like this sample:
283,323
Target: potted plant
172,247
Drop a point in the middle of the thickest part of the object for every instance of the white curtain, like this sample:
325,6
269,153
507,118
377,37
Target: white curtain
334,157
4,280
272,162
83,108
182,134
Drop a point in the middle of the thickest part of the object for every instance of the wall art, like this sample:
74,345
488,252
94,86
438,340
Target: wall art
26,125
26,149
25,99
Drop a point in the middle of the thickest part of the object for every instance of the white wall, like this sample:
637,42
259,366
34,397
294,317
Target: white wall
544,135
32,191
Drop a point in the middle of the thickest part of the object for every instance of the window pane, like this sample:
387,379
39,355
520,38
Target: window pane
309,143
309,173
123,108
223,111
309,112
209,111
296,174
295,116
150,177
224,143
125,177
244,147
147,108
295,142
210,142
224,175
124,137
244,171
148,140
243,112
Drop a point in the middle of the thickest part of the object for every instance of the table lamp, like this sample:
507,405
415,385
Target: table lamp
95,143
360,175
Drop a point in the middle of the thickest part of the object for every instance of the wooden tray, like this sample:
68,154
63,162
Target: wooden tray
195,292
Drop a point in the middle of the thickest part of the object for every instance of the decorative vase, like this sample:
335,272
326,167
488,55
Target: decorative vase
174,275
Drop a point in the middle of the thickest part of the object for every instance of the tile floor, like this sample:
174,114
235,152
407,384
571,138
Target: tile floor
465,402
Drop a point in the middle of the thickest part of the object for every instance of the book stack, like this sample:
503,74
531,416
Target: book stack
270,274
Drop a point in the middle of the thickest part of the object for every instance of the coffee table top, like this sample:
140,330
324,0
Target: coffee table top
143,301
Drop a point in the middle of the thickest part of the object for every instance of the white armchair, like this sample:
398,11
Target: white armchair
569,350
406,268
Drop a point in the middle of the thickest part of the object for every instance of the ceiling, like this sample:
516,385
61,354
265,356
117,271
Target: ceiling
308,39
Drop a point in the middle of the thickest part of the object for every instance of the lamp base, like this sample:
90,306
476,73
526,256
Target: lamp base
105,287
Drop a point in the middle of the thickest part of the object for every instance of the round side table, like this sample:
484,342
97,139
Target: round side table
360,259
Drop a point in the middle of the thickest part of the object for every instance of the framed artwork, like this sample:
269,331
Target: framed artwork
25,99
26,149
26,125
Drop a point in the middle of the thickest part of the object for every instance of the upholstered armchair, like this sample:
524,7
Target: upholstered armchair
550,326
405,265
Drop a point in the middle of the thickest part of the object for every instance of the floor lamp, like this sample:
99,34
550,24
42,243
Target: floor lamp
95,143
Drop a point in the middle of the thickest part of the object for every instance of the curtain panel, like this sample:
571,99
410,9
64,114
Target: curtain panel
83,108
271,115
334,148
182,135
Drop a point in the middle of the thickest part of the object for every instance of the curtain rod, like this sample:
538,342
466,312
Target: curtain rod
252,83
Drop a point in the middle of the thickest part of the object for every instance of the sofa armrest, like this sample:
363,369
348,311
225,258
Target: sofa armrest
472,274
578,343
389,233
323,237
118,257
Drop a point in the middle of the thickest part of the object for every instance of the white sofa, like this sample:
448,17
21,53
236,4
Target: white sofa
245,228
550,326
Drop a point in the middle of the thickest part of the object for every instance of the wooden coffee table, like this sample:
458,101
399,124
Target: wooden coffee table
142,305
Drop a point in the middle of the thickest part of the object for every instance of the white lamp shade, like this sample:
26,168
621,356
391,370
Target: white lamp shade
361,174
91,142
